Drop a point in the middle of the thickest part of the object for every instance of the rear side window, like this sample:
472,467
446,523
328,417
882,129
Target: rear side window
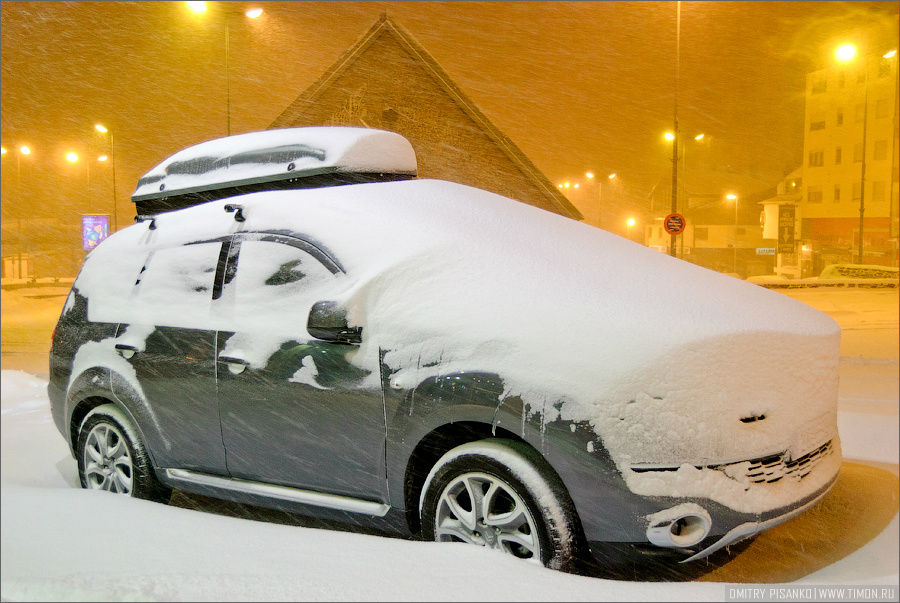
175,286
107,281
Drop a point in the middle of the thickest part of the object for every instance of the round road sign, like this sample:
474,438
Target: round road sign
674,224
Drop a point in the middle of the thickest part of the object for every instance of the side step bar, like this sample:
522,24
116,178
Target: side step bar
307,497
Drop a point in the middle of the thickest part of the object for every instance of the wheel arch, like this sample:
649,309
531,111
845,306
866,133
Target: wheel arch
444,438
97,386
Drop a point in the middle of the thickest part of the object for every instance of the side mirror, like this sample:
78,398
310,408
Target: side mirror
328,322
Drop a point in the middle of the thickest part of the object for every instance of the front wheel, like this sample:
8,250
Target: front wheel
498,493
112,457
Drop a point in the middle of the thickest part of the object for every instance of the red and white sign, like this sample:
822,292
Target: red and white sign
674,224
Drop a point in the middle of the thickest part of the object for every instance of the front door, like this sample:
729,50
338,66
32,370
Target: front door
295,411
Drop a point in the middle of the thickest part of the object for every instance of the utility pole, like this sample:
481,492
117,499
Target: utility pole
675,120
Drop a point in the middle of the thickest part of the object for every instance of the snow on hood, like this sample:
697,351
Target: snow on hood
662,357
277,154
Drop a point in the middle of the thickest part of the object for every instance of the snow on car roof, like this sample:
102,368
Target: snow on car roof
282,154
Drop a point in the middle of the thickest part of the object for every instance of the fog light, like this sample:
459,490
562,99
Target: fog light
679,527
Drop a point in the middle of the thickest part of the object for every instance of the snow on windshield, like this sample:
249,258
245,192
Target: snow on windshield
284,153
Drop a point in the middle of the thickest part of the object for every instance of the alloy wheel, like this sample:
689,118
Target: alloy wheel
482,509
107,460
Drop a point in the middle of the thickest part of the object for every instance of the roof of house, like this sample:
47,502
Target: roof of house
387,26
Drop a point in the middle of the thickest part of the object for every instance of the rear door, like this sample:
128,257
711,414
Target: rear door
170,346
295,411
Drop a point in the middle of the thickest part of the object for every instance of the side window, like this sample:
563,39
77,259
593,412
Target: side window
176,284
276,281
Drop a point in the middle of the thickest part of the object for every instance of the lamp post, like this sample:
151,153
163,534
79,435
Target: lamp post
845,53
628,224
733,197
592,178
112,154
675,121
253,13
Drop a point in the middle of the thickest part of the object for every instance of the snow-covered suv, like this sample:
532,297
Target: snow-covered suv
296,322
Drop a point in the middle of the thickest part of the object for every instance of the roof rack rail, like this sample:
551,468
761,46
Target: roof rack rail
143,218
287,158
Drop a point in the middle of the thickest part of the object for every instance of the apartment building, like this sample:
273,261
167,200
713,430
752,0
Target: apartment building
850,159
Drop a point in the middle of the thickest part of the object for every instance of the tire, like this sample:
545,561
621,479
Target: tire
112,457
521,507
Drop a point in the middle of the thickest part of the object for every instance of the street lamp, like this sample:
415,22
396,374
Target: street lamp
628,224
253,13
844,54
112,154
593,178
733,197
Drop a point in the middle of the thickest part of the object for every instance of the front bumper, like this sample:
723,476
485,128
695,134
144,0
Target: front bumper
751,528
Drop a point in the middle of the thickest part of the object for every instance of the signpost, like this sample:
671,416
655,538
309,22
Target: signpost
786,240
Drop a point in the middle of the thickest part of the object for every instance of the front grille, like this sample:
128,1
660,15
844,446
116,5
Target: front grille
774,468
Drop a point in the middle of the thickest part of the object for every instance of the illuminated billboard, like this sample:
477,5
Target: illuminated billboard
94,228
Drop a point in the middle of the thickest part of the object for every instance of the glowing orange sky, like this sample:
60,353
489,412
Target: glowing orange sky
582,85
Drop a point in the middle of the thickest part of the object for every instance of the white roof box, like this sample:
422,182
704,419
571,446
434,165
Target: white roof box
290,154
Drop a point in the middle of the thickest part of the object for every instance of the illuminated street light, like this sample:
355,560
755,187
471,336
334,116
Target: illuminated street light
102,158
253,13
2,150
112,154
24,150
699,136
576,185
845,53
612,176
72,157
669,136
565,185
630,222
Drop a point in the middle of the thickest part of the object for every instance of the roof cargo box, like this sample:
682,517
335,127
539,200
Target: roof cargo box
274,159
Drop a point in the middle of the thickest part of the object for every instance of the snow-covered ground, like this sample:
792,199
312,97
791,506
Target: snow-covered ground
58,542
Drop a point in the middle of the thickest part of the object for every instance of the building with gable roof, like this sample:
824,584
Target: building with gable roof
388,80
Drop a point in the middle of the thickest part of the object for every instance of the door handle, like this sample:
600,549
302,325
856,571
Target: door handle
127,351
236,366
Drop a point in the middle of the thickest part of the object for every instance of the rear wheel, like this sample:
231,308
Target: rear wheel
112,457
499,494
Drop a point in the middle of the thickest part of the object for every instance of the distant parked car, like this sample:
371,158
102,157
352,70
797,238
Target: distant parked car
296,322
